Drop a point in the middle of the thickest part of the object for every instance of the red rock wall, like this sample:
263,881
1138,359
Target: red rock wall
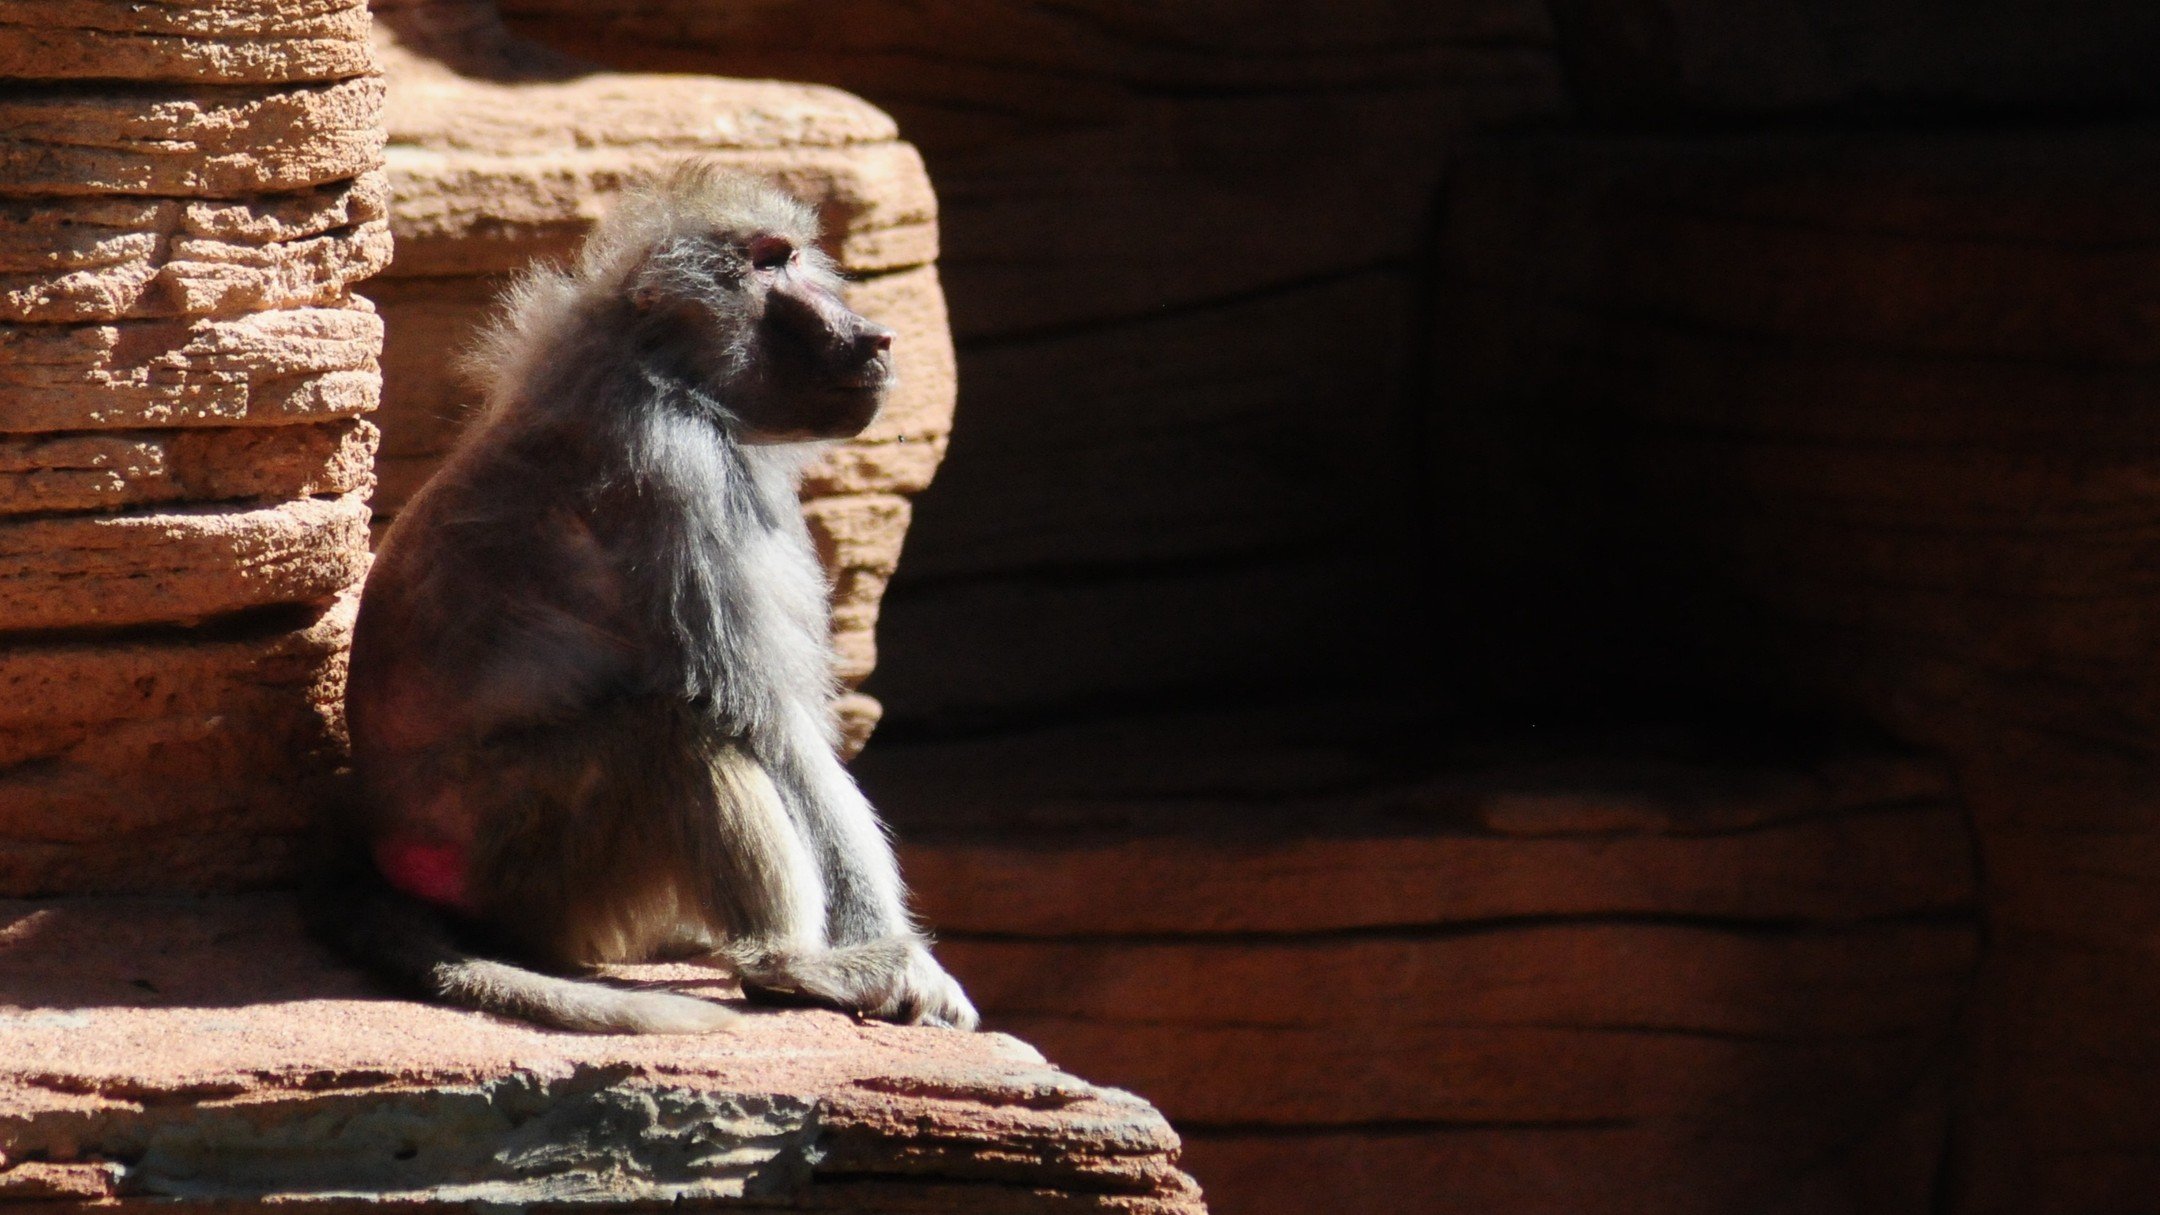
1868,420
1545,977
1856,409
186,197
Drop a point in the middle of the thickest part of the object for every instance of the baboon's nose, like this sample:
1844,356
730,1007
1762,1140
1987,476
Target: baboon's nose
865,358
872,341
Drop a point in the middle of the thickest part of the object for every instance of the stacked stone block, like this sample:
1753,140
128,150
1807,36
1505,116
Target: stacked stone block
187,195
502,153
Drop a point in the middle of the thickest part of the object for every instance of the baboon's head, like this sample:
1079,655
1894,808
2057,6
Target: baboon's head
729,289
716,282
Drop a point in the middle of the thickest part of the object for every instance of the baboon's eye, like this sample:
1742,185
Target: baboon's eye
770,252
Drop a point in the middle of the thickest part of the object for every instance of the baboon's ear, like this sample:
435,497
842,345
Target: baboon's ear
663,275
648,289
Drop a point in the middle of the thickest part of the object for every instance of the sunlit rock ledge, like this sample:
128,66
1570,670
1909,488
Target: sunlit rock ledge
205,1050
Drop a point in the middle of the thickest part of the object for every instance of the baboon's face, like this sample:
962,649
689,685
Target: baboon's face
760,320
826,368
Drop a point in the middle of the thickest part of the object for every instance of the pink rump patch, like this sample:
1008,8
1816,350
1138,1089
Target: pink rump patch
430,871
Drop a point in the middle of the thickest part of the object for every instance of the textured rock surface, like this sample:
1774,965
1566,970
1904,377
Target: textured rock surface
1593,976
106,258
299,365
103,470
203,42
187,194
205,1051
1868,420
1182,244
198,142
187,564
174,759
502,153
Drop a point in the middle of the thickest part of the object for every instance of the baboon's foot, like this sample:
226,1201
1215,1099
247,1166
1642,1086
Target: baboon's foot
892,979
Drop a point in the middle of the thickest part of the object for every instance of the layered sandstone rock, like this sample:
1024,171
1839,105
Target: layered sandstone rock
204,42
204,1051
502,153
1606,979
187,196
109,258
1868,420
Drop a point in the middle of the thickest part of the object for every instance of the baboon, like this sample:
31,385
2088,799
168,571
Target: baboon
591,680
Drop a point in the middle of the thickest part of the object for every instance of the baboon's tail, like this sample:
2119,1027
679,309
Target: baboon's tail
411,944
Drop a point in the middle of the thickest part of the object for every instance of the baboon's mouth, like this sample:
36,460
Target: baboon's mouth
875,376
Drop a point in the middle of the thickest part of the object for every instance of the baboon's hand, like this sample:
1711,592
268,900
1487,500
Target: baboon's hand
892,979
928,995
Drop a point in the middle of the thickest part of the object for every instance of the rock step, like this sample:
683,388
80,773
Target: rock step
1903,860
1712,1168
1591,976
205,1050
180,565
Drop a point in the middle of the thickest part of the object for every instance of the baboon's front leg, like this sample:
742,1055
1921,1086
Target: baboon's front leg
875,961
